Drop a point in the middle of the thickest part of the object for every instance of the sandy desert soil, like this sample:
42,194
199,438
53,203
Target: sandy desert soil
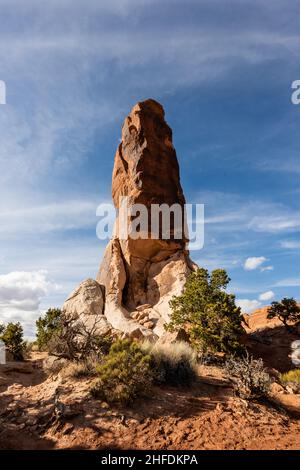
205,416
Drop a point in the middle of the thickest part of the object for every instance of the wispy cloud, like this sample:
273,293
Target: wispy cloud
44,142
231,211
288,282
53,217
276,223
290,244
267,268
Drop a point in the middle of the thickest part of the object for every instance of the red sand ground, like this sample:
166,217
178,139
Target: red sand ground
206,416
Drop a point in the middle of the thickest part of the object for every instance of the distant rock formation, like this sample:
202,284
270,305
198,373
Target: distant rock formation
138,277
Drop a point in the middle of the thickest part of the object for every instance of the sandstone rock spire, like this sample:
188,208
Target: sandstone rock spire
138,277
145,271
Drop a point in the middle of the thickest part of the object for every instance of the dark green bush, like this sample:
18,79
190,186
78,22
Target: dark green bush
208,313
47,326
124,374
12,337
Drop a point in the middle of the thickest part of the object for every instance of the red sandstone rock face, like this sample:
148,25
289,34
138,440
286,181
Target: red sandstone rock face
146,170
146,167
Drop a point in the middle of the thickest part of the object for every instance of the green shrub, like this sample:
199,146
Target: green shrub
47,326
102,344
172,363
249,377
124,374
291,376
12,336
86,367
208,312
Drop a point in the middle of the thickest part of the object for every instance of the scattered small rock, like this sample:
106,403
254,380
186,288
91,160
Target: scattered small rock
149,325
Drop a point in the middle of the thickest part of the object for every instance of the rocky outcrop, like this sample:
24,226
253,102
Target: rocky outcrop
138,276
86,304
87,299
270,340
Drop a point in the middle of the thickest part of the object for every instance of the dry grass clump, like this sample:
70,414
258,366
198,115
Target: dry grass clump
291,376
80,369
173,363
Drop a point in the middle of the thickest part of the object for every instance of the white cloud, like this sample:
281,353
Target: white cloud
68,261
254,262
248,306
21,285
265,296
21,293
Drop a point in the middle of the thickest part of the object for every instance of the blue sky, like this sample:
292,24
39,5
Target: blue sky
223,72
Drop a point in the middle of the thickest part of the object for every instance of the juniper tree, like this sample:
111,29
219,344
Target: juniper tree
12,337
208,313
287,310
46,326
